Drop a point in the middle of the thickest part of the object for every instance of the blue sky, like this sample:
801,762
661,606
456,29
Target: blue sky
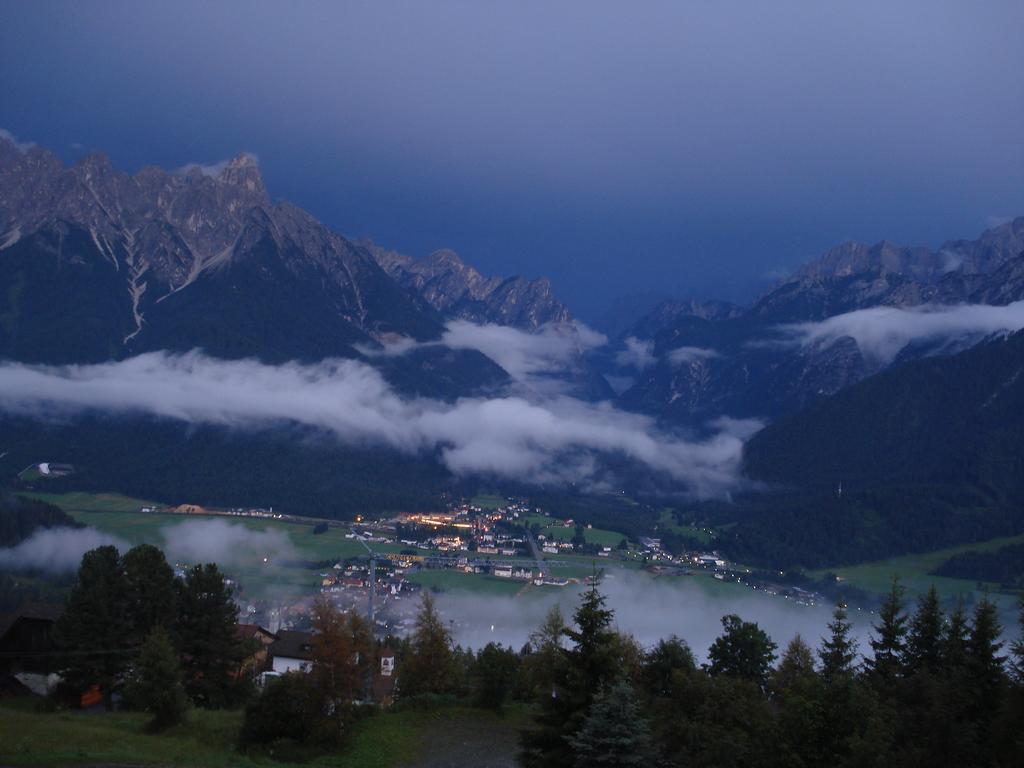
693,148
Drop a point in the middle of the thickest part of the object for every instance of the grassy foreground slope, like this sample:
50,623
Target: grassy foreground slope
207,739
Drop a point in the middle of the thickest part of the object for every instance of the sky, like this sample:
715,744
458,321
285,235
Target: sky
688,148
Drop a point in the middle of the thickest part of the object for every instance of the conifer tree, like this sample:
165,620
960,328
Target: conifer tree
795,670
1017,647
983,659
151,598
889,644
590,664
839,650
155,685
924,642
94,627
954,641
613,733
207,632
429,664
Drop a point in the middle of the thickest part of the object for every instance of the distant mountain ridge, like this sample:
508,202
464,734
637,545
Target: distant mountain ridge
459,291
730,369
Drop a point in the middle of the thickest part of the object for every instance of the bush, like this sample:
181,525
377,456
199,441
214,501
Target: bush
286,711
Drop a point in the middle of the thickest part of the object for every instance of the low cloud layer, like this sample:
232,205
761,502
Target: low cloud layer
530,358
882,332
56,550
545,440
223,542
647,608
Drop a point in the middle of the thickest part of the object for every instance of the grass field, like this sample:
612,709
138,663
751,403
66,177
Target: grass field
207,739
668,522
555,530
913,570
458,580
488,501
93,502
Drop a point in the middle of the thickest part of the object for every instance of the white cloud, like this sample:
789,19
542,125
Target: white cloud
223,542
21,146
551,439
682,355
56,550
534,359
881,332
638,354
521,353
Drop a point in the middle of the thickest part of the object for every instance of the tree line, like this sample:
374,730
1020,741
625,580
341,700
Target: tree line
936,688
148,638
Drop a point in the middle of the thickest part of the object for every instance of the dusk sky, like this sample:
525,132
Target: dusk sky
692,148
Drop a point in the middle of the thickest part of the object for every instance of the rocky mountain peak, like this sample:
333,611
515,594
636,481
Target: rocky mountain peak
243,171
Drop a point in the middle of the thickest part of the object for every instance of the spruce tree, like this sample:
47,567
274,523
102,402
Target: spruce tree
983,659
924,641
889,644
207,634
839,650
429,665
94,628
590,664
155,685
613,733
1017,647
954,642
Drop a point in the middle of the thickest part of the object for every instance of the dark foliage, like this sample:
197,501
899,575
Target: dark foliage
1003,566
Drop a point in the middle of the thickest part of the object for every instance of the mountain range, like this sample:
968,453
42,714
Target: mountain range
99,265
705,359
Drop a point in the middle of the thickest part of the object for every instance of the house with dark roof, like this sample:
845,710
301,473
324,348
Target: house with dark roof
292,651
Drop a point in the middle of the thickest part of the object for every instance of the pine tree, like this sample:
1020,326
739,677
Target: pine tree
592,663
429,665
954,642
839,650
151,598
743,650
94,627
155,685
1017,647
613,732
924,642
983,659
207,633
889,645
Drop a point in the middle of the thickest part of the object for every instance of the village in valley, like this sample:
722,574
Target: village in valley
489,545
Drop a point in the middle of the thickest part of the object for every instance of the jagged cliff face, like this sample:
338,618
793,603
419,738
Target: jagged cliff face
739,375
460,292
157,239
